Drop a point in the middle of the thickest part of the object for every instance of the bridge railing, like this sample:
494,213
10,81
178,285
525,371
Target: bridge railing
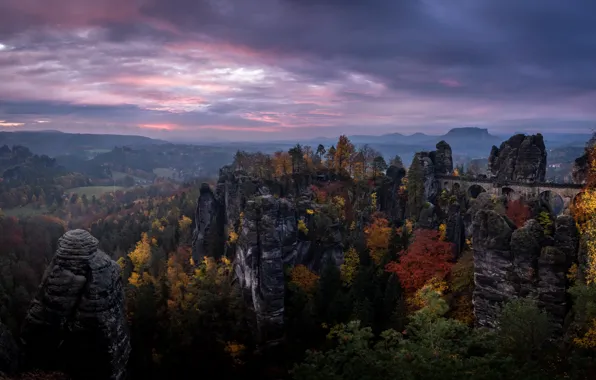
511,183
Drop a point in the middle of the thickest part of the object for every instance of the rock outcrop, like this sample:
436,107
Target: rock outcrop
205,218
520,159
264,216
77,323
580,169
268,226
443,159
455,229
9,352
433,163
524,262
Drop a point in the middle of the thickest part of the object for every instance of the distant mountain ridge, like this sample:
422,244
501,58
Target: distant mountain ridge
54,143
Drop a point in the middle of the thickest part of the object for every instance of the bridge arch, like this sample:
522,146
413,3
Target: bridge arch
553,201
510,193
475,190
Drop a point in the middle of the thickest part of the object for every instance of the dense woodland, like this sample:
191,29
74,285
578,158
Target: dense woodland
400,305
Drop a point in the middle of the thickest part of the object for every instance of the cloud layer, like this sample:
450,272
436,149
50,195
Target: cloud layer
270,69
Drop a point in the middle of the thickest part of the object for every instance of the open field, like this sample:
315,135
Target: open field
165,172
94,190
28,210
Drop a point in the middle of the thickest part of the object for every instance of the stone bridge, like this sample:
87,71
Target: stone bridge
562,194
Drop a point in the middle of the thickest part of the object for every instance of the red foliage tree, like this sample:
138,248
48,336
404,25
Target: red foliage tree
427,257
518,212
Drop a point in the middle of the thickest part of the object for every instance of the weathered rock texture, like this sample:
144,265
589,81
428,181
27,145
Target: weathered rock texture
443,158
206,215
9,353
456,229
76,322
436,162
520,159
268,238
511,263
580,169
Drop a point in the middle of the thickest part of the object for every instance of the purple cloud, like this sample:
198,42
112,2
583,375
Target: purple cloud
296,68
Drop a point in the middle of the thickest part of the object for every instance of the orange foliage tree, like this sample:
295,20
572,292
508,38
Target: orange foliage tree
518,212
378,235
426,258
304,278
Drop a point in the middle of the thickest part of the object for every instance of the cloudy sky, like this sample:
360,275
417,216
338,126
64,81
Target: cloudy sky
270,69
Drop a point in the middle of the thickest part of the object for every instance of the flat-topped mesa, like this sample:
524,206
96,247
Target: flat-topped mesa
520,159
77,322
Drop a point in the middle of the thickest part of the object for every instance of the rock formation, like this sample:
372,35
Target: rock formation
77,320
436,162
9,353
580,169
520,159
267,227
456,229
443,159
524,262
206,214
268,238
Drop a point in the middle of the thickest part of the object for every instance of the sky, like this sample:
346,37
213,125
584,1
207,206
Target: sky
272,69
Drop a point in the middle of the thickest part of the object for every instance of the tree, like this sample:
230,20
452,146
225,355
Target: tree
379,166
304,278
518,212
282,163
396,161
523,329
321,152
331,157
349,269
343,152
378,234
425,258
297,156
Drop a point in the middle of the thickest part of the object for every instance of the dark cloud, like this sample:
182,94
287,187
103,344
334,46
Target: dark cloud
292,63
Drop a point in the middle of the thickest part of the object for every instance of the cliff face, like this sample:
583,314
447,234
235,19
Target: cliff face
268,237
521,158
77,321
511,263
206,218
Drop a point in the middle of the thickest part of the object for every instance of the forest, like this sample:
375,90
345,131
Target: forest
399,306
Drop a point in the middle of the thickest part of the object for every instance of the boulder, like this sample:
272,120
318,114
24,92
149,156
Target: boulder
77,321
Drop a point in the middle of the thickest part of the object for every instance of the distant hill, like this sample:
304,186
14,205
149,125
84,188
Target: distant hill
54,143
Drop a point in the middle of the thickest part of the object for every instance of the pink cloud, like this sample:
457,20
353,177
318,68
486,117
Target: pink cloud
448,82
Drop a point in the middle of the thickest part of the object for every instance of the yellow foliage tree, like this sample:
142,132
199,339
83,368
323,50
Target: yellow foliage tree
349,269
443,231
141,254
304,278
378,235
343,152
302,227
282,163
419,300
